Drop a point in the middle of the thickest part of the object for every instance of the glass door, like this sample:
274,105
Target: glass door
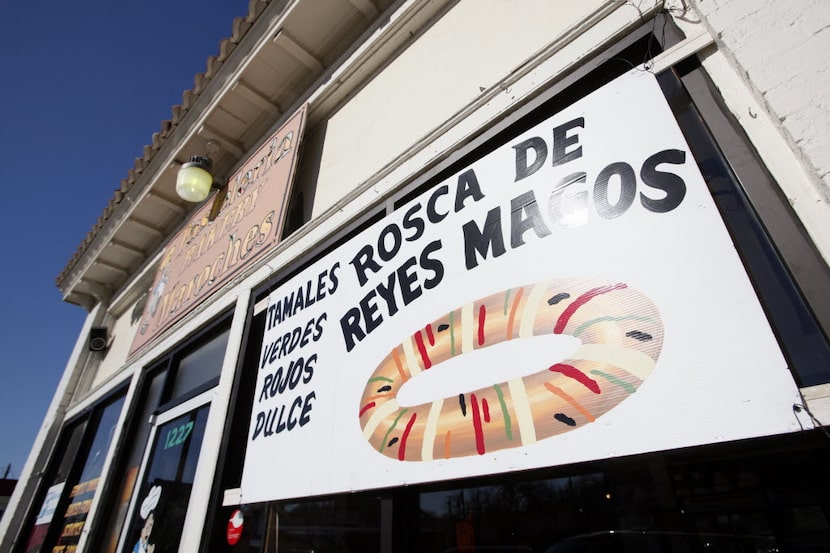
160,506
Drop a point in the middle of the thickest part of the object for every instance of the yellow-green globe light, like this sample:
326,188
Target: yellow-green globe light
194,181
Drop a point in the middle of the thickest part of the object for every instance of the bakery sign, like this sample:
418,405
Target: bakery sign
573,295
207,252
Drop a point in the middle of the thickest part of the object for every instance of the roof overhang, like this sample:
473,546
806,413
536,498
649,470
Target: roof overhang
281,55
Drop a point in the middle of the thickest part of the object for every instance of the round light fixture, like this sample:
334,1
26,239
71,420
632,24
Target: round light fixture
194,181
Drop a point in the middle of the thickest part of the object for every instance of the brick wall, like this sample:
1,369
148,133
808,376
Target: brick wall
782,49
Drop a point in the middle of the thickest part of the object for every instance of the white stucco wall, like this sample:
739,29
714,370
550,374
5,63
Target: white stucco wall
469,50
121,334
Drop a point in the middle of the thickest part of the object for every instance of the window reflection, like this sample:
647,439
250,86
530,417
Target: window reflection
118,509
46,515
347,524
165,489
514,517
200,366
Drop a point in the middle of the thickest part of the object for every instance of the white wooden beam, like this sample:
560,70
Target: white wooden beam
298,52
256,97
227,142
366,7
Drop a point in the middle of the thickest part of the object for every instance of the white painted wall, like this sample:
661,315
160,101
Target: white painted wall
469,50
121,333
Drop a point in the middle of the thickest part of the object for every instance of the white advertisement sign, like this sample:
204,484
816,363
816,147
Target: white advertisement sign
50,504
573,295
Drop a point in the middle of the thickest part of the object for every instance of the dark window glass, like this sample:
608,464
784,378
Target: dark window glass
513,517
69,497
200,366
756,496
184,373
165,488
84,488
345,524
54,491
118,511
711,499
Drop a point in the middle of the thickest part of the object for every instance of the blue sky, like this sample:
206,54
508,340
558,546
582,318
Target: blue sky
84,86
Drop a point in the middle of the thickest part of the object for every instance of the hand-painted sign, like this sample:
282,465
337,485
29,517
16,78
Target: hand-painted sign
572,295
207,253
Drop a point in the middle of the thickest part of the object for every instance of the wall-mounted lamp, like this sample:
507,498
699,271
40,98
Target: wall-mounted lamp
194,181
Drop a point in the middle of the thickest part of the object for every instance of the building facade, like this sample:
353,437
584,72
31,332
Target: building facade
475,275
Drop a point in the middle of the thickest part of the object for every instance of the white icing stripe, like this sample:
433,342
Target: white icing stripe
467,325
630,360
411,359
380,413
524,417
429,430
531,307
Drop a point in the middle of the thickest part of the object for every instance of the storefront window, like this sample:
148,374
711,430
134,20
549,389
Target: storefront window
84,491
711,499
514,517
68,500
199,366
164,492
346,524
189,368
54,492
115,521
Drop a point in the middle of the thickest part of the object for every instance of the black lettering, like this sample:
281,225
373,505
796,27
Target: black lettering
628,189
274,315
309,299
432,215
525,203
561,141
307,332
350,326
285,341
671,184
304,414
387,292
370,311
364,260
266,383
467,187
299,300
295,373
260,424
318,327
292,421
406,279
431,264
540,154
280,422
333,280
482,241
279,383
321,285
275,350
288,305
389,230
309,368
266,354
416,224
